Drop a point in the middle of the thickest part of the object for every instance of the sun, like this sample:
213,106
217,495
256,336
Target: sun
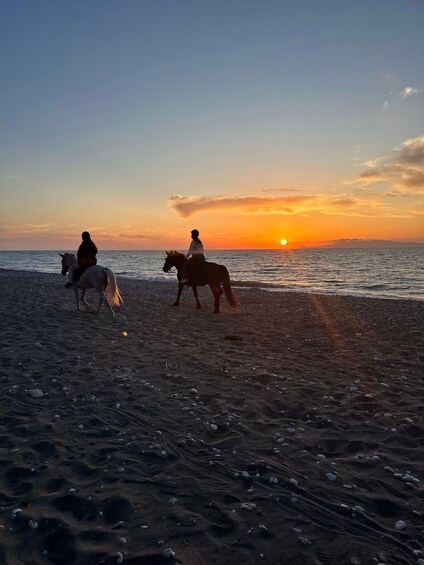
283,242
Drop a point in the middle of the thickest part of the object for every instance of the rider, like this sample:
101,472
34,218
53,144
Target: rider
197,253
86,257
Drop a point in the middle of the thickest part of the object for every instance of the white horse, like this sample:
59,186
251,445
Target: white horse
100,278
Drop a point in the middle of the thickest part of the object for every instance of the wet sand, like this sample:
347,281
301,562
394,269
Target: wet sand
290,430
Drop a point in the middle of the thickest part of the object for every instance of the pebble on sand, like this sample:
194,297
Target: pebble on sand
248,506
36,393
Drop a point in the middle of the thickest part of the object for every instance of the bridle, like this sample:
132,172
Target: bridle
65,268
169,269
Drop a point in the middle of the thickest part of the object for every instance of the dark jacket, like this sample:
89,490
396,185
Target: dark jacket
86,255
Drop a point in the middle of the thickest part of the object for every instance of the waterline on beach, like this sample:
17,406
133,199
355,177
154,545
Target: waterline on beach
379,273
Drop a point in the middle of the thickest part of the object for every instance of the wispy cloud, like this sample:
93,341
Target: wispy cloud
283,189
131,234
24,229
407,92
393,99
404,169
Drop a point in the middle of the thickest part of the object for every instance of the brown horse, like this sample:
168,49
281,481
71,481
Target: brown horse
216,276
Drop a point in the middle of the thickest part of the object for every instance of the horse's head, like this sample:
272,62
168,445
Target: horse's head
67,260
173,259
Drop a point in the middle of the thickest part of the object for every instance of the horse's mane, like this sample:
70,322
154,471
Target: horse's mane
175,253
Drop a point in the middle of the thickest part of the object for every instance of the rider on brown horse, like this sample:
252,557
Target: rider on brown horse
192,264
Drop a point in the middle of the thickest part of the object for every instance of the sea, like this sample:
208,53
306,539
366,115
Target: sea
380,273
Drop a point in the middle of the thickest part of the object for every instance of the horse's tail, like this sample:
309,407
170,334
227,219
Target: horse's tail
227,289
112,291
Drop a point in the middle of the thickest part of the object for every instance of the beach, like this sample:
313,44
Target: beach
289,430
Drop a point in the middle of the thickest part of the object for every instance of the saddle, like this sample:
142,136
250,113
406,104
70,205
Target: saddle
78,272
197,275
89,262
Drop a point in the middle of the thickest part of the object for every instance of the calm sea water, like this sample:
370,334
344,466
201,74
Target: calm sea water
385,273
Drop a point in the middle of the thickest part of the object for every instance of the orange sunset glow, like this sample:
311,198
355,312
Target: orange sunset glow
240,150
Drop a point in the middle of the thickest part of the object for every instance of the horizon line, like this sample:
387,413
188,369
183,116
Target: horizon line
287,247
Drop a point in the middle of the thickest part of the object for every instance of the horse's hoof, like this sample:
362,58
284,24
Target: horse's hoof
176,304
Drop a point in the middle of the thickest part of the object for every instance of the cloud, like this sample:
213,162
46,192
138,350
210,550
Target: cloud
25,229
372,176
407,91
340,204
418,212
187,206
404,170
392,100
283,189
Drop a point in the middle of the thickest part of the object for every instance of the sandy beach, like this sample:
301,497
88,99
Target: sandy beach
289,431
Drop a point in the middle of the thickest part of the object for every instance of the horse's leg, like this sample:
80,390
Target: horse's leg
83,300
112,313
180,289
198,305
216,291
103,298
77,296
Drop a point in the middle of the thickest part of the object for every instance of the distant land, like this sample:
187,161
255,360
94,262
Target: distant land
368,244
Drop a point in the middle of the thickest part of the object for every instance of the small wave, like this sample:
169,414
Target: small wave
151,278
256,284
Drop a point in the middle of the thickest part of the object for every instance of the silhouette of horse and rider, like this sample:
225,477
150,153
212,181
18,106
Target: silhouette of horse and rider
192,270
84,273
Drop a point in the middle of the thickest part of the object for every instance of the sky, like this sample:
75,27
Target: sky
250,120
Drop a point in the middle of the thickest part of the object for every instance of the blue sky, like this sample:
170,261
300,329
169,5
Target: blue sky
111,108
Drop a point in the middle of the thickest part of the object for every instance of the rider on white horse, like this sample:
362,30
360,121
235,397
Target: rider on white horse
86,257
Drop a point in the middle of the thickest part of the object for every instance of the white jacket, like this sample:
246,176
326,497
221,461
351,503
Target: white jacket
195,249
